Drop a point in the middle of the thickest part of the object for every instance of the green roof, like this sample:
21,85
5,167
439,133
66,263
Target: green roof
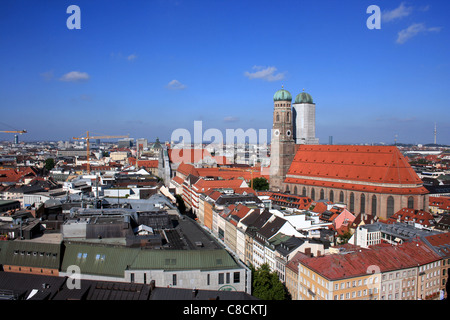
303,97
282,95
98,259
30,254
113,260
183,260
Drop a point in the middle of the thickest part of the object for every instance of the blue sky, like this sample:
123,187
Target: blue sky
146,68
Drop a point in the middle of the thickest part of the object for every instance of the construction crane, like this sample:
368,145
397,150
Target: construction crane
87,138
14,131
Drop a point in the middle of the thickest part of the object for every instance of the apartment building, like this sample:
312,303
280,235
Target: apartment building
382,272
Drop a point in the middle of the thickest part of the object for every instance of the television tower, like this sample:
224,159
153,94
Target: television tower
435,133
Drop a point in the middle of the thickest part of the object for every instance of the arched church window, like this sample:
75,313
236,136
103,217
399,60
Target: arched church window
363,203
411,203
352,202
374,205
390,206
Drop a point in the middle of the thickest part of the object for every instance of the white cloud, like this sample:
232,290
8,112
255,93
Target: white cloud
268,74
400,12
175,85
413,30
132,57
75,76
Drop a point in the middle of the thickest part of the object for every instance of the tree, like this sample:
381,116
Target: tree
49,164
180,204
266,284
260,184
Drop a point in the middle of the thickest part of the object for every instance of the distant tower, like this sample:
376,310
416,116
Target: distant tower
435,131
282,143
304,121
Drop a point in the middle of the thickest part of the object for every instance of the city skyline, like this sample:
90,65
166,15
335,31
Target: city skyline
148,68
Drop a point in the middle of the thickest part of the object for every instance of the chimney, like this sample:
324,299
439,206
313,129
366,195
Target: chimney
152,285
308,251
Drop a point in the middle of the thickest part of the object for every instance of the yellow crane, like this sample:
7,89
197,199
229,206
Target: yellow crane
14,131
87,137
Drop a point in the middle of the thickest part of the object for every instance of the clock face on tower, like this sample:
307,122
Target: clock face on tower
276,132
288,133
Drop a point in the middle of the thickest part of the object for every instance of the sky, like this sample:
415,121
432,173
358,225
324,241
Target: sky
148,68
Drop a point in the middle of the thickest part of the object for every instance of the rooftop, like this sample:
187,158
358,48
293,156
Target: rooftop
363,168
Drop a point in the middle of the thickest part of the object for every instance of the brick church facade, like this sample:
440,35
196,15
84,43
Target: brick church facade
375,180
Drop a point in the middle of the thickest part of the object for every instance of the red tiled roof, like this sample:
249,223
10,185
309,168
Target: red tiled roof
187,155
441,242
16,175
204,185
362,168
178,180
148,163
386,257
290,200
187,169
229,173
421,217
442,203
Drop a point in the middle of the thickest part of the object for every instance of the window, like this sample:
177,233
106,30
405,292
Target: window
363,203
390,206
410,202
313,194
132,277
236,277
208,279
174,279
322,194
221,278
331,196
374,205
352,202
341,197
228,277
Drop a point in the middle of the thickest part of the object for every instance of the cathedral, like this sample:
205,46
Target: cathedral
375,180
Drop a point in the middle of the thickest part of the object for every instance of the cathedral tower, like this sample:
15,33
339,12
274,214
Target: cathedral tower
282,144
304,119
